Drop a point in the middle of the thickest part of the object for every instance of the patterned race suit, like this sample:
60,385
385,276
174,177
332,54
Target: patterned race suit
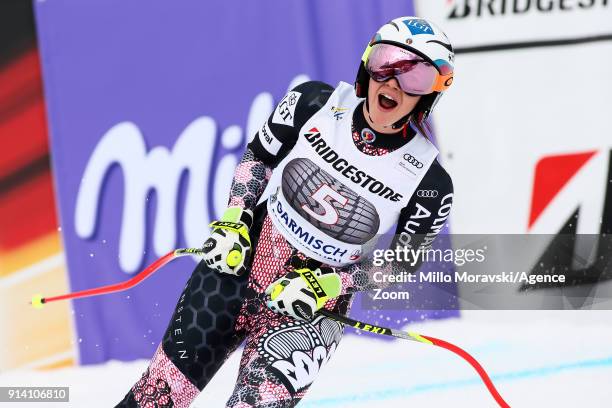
217,312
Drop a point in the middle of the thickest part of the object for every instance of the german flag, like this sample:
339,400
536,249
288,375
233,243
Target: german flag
31,254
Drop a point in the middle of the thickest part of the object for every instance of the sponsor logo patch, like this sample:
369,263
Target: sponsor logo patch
314,284
418,26
355,255
368,136
427,193
338,112
283,115
412,161
409,164
268,140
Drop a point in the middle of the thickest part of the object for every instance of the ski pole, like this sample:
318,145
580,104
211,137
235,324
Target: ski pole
422,339
38,301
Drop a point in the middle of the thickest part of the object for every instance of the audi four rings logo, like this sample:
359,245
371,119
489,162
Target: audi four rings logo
412,160
427,193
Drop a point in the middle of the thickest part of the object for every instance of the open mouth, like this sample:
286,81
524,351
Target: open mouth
386,101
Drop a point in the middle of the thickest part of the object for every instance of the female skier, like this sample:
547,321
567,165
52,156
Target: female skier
268,268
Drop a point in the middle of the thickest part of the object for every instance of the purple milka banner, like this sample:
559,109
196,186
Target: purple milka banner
150,106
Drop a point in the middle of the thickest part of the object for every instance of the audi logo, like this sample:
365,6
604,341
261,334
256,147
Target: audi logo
427,193
412,160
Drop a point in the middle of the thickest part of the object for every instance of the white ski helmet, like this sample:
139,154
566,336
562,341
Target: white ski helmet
424,38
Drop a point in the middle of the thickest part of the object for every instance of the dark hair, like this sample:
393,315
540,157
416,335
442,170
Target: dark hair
420,114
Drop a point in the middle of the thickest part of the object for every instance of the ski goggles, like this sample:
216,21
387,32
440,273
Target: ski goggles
415,75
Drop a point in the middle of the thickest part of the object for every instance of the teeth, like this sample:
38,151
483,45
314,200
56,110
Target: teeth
387,96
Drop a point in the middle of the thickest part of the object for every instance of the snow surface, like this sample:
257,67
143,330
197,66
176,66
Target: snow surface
536,359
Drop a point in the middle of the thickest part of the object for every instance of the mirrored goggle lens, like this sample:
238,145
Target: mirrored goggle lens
413,73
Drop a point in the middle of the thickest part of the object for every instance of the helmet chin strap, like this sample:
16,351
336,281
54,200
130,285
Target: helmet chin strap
402,122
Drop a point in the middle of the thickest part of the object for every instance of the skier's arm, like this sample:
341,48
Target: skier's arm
250,179
228,249
418,226
273,142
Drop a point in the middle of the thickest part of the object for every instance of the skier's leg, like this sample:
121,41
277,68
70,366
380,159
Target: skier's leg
281,359
201,335
272,373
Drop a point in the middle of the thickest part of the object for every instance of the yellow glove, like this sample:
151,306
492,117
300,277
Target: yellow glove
229,247
302,292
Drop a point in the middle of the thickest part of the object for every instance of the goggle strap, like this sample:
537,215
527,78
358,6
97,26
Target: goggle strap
443,82
366,54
